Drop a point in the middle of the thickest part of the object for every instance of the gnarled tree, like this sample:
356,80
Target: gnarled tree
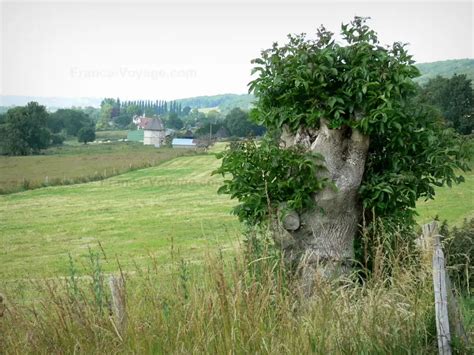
352,104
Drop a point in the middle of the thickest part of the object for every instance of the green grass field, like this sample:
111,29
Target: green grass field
135,214
78,162
452,204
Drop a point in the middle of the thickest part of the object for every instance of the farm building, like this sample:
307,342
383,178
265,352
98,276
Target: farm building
183,143
152,128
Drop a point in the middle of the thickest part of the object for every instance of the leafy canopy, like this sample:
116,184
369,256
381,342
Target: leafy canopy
358,84
69,120
25,130
86,134
306,80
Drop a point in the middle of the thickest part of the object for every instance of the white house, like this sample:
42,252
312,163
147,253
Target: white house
153,130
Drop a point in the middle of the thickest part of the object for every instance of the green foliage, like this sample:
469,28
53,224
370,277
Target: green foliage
174,121
92,112
205,130
367,87
264,176
97,280
123,121
236,124
186,110
106,109
3,140
25,131
458,244
454,97
194,117
57,139
133,109
69,120
86,134
359,84
406,163
239,125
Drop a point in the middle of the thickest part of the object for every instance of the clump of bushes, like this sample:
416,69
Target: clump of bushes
458,244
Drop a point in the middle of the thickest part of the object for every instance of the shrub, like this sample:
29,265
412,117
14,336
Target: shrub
458,244
86,134
57,139
265,176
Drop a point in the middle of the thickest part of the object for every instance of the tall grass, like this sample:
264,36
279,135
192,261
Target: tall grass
227,304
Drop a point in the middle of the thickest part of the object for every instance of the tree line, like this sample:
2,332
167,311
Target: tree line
116,113
26,130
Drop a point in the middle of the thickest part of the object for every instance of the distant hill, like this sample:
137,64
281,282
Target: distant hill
445,68
225,102
51,103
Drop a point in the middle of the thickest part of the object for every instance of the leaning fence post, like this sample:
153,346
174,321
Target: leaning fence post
117,288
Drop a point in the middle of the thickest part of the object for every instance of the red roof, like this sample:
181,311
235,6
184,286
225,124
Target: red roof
151,124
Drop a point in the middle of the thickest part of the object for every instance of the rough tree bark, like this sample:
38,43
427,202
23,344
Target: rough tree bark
321,240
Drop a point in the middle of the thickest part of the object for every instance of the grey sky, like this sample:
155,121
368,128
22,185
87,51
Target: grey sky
170,50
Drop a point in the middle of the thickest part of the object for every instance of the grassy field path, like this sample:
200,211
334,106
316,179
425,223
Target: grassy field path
132,215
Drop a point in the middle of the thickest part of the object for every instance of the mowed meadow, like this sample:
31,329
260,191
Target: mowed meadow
133,215
75,163
189,288
138,213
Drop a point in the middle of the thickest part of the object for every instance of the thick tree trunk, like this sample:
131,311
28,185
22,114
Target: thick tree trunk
321,240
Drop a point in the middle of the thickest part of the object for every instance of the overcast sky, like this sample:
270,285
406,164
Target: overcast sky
172,50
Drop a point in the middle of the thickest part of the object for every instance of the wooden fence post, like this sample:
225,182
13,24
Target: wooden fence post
441,299
430,241
448,316
117,288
